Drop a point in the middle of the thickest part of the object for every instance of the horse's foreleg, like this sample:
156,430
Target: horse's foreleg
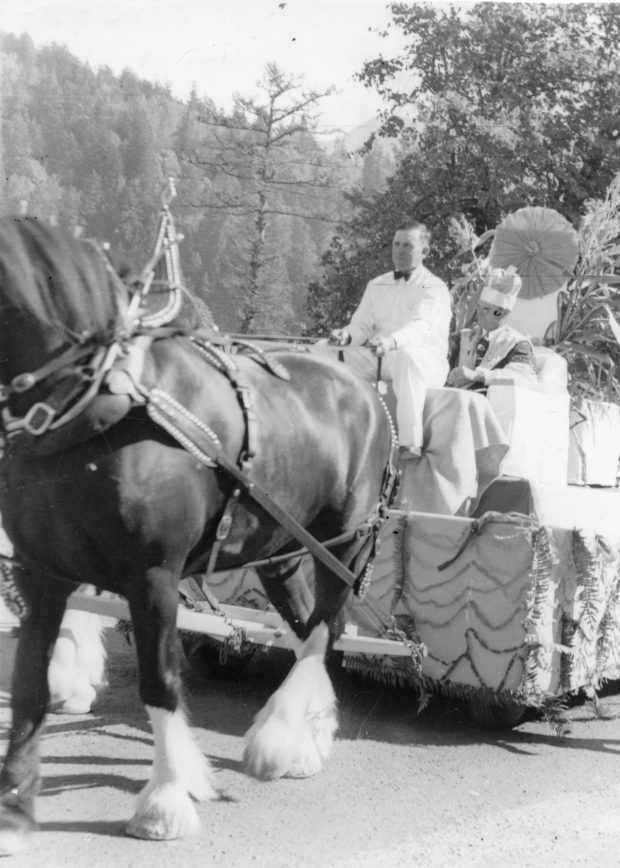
180,772
287,588
321,721
293,734
19,780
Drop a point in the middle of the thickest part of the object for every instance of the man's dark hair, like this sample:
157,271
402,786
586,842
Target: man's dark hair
409,225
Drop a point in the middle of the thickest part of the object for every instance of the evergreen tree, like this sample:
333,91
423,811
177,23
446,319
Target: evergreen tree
260,165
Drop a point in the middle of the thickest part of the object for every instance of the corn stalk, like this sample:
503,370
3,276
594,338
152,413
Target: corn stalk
465,288
587,329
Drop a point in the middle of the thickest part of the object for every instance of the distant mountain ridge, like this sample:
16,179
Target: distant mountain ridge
356,137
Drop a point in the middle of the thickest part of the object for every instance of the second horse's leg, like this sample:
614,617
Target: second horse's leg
77,668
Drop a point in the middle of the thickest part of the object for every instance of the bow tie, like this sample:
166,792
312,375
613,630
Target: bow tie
399,274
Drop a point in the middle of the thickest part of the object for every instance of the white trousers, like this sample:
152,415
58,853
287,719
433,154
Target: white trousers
412,371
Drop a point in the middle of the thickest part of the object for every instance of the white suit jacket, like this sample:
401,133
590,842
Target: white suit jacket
416,312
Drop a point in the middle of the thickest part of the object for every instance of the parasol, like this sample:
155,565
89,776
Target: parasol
542,246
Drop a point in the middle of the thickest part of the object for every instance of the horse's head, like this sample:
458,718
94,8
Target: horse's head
55,291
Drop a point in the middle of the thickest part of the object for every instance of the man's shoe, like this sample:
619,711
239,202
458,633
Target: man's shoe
409,453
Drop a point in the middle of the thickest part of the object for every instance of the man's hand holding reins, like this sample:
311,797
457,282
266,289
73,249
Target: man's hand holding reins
339,337
380,346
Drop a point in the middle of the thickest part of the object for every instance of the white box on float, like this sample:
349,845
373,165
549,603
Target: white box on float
536,423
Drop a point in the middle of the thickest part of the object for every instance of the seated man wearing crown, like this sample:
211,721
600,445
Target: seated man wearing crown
495,351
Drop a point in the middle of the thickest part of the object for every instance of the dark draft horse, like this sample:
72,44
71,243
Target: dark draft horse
129,510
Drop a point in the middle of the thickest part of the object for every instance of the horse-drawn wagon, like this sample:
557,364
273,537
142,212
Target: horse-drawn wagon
504,589
142,450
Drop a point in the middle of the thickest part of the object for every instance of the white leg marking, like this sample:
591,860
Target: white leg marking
293,733
319,729
13,841
77,668
180,773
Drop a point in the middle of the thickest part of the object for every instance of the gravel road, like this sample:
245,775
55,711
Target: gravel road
400,789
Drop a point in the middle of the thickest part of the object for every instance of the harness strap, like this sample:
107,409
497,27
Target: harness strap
174,418
223,529
71,396
222,361
258,355
41,415
191,590
195,566
198,438
24,382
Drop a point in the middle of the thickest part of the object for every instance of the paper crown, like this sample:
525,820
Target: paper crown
501,288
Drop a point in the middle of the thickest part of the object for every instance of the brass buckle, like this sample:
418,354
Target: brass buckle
23,382
38,419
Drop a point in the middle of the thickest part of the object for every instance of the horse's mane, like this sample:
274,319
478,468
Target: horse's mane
195,312
58,280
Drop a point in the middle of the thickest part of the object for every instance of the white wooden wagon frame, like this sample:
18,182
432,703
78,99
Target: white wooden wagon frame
501,610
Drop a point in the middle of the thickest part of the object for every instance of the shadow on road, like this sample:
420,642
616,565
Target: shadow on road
90,779
108,828
369,710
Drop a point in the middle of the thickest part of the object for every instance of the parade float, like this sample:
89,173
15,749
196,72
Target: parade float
497,581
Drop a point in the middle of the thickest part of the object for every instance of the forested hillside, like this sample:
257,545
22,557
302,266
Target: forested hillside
489,108
259,193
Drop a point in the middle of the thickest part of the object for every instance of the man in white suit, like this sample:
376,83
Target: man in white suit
404,316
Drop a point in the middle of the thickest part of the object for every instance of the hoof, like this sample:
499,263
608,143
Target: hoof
315,745
150,829
78,701
15,829
305,766
72,706
164,813
269,749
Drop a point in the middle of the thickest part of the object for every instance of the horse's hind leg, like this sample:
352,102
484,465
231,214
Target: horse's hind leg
180,772
288,590
19,780
293,734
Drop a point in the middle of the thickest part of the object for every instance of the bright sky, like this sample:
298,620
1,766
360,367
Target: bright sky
221,46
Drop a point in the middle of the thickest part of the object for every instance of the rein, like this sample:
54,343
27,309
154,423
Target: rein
73,394
24,382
